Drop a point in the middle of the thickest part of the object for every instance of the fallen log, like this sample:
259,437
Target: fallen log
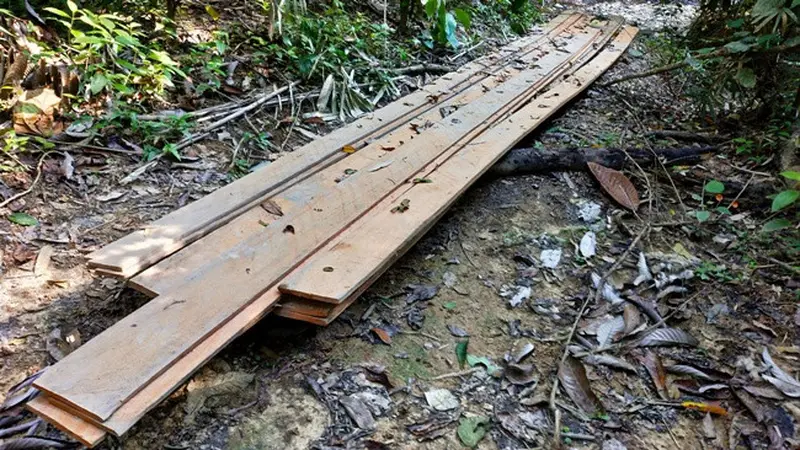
523,161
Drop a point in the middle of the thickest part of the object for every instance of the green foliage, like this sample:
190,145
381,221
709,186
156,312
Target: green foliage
714,187
26,220
444,23
784,199
109,50
504,16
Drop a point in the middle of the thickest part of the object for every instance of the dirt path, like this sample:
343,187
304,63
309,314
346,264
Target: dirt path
488,270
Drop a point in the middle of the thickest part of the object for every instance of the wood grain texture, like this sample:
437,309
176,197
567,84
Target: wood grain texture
82,430
105,372
171,272
347,262
144,247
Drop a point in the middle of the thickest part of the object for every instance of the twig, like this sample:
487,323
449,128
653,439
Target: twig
456,374
752,172
678,65
421,68
14,198
79,144
655,156
459,55
594,298
248,108
744,188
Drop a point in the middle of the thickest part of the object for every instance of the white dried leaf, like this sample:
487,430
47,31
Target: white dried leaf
644,271
550,258
588,244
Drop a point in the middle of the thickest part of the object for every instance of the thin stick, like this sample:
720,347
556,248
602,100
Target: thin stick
14,198
744,188
595,297
678,65
248,108
457,374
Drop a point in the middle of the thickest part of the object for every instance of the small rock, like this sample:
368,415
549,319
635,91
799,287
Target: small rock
613,444
441,400
449,279
457,331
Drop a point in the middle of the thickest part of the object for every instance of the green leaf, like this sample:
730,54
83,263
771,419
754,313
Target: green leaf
461,353
472,429
491,369
795,4
26,220
746,77
737,47
736,23
702,216
723,210
98,83
430,8
450,30
790,174
775,225
451,306
57,12
72,6
463,17
784,199
714,187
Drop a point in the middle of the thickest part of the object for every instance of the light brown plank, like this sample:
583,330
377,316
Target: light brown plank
144,247
171,272
106,371
82,430
351,259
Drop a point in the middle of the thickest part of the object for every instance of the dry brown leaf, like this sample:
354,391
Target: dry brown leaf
617,185
273,208
633,319
383,335
573,378
349,149
35,113
706,408
652,362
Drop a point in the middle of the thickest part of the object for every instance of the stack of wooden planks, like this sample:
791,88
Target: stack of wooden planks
304,237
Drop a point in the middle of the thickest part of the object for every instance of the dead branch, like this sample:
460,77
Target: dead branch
14,198
422,68
533,160
722,51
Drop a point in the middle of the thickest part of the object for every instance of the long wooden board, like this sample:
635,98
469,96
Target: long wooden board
105,372
350,261
170,272
88,434
140,249
143,401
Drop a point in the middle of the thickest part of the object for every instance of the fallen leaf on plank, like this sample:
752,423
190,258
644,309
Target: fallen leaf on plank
271,207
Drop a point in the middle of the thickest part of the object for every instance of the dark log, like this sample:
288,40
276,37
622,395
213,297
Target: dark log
522,161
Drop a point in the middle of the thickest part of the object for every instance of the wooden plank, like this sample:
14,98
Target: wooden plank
105,372
82,430
144,247
171,272
352,258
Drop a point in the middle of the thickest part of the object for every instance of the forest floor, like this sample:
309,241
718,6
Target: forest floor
510,274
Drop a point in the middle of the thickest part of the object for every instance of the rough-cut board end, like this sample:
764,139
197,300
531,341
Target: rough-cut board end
333,300
76,427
